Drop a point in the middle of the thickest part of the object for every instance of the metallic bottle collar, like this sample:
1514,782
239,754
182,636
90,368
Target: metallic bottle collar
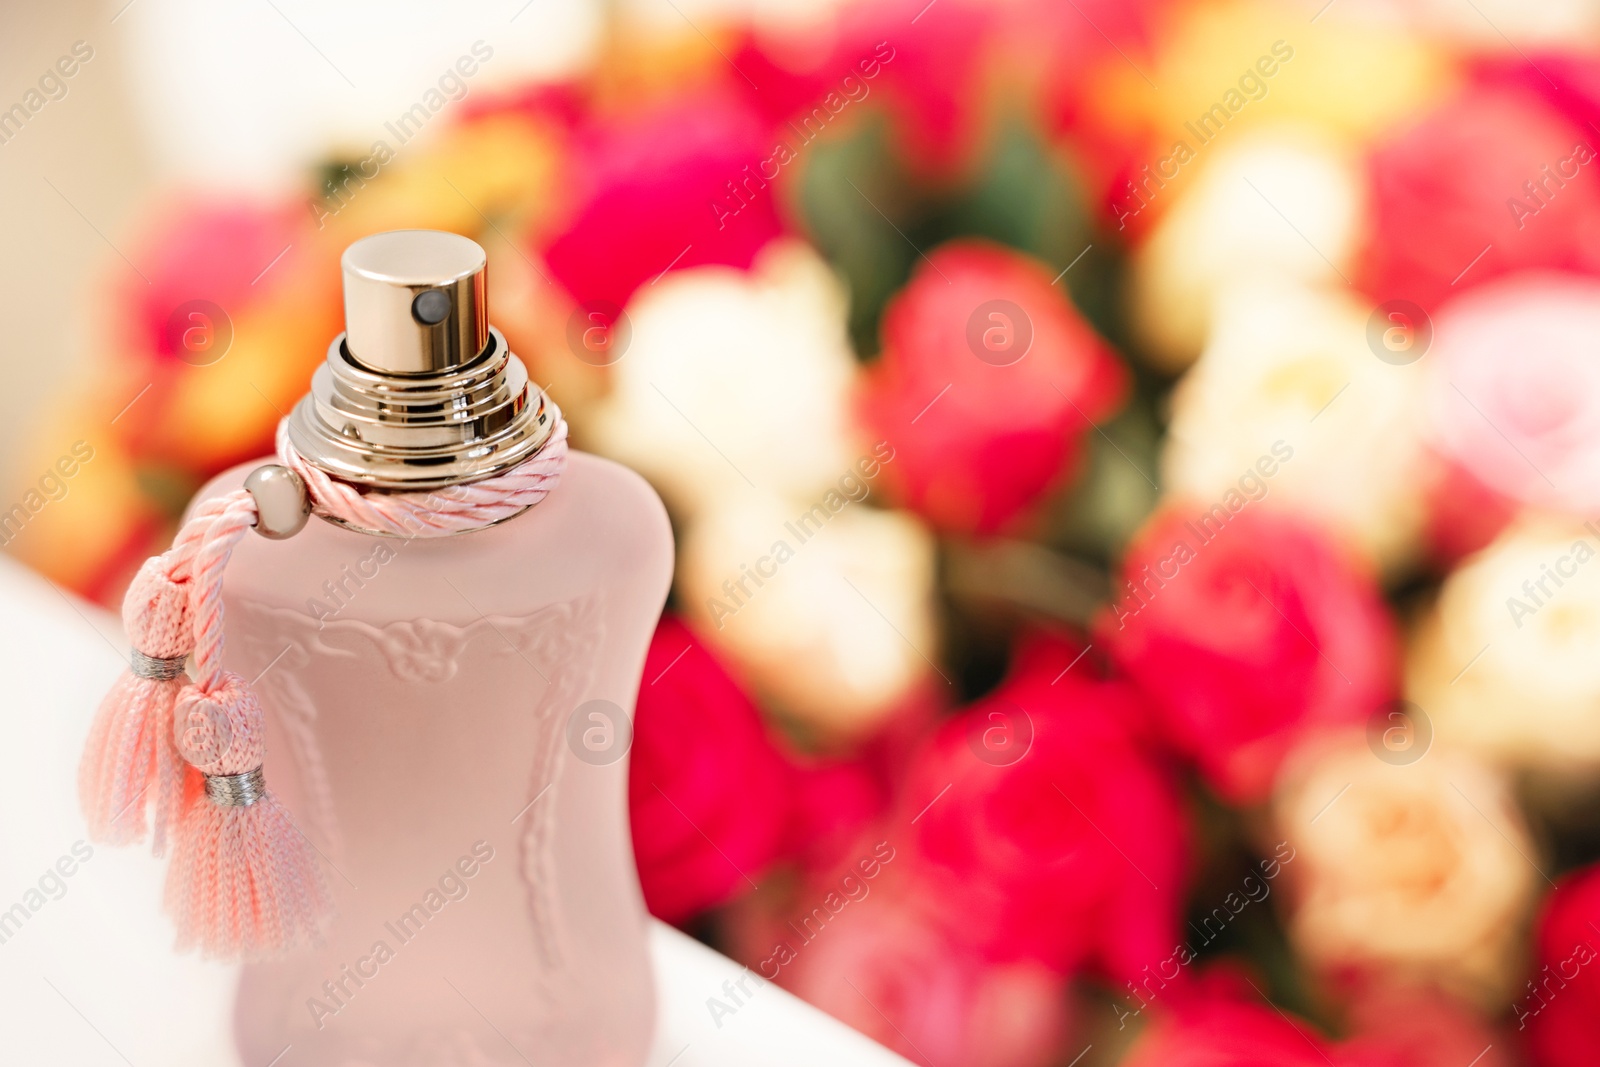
400,402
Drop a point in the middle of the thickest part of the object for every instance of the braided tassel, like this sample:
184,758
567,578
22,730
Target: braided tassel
129,751
244,882
129,762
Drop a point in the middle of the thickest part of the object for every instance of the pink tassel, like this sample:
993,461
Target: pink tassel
129,763
244,882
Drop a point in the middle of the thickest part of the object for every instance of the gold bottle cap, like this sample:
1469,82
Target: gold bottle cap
414,301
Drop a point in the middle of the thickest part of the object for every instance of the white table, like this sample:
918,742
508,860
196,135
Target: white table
91,979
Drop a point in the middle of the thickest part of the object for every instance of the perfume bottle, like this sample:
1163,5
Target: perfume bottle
448,717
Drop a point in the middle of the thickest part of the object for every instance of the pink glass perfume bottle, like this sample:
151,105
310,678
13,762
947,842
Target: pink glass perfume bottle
448,717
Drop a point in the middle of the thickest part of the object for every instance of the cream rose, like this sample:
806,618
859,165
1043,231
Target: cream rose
1292,364
734,381
1224,229
1422,871
825,607
1504,663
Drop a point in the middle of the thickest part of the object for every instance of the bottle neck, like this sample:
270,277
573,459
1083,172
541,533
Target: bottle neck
421,431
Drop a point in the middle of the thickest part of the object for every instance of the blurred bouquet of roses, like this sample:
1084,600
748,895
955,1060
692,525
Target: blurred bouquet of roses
1135,469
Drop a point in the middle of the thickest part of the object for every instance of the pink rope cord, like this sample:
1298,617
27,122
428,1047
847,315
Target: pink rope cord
440,511
224,529
244,882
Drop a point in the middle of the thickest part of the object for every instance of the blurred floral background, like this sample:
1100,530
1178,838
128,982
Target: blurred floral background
1132,464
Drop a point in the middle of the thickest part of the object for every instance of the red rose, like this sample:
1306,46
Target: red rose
1043,829
1247,629
1222,1024
937,81
708,790
832,804
1219,1020
1566,81
885,967
1463,515
679,186
1453,188
1559,1007
988,381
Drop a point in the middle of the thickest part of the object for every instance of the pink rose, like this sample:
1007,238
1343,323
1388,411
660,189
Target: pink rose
1246,629
1411,1027
1515,400
1041,826
709,792
883,965
988,381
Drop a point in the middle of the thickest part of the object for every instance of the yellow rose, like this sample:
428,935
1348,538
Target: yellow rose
75,511
503,167
1342,74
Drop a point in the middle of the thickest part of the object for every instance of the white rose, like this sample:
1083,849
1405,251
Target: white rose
1504,662
734,381
827,612
1422,872
1292,364
1225,229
